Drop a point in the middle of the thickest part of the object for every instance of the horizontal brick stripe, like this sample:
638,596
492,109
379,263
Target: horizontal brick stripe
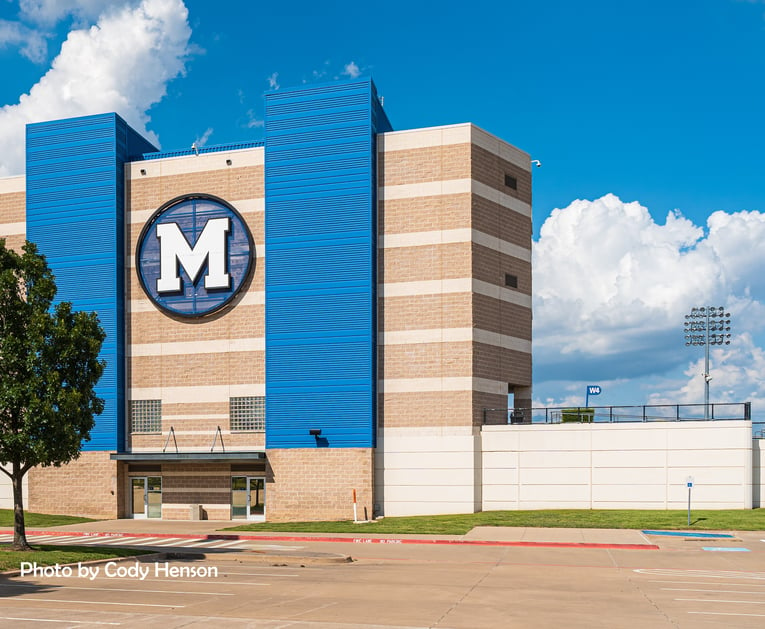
461,285
449,236
198,347
211,393
242,205
13,229
13,184
415,385
454,186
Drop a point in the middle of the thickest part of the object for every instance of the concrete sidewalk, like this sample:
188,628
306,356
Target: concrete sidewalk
366,533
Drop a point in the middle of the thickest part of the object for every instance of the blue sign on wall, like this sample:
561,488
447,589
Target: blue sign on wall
194,255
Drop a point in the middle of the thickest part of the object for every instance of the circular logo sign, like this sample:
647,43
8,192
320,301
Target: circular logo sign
194,255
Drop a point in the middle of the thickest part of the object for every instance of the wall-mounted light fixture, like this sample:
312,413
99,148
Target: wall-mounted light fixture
315,432
228,162
143,172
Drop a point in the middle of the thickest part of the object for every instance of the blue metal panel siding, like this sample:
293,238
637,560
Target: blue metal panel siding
75,214
320,270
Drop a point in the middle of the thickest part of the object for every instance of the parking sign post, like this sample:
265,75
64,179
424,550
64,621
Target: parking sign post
689,483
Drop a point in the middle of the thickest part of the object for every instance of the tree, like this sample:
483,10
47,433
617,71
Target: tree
49,367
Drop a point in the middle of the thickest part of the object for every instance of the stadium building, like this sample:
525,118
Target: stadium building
291,325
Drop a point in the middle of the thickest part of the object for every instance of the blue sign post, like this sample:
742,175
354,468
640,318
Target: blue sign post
593,389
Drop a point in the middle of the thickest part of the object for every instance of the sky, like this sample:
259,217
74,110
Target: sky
648,119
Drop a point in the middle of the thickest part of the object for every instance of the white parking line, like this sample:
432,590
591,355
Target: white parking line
221,544
64,600
137,590
715,591
728,614
702,574
749,585
68,622
713,600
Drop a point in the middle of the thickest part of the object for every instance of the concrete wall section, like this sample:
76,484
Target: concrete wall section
6,491
423,471
758,472
617,466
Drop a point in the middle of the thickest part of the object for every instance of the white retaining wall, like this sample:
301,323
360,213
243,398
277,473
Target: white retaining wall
613,466
758,472
424,471
6,492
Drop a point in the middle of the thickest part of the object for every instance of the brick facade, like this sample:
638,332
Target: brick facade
454,336
89,486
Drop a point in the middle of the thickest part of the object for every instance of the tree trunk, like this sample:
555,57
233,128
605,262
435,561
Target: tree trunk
19,530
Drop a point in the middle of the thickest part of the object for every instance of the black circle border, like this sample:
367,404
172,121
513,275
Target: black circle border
154,217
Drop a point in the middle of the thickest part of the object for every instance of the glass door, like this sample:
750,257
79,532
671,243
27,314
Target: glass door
154,497
248,498
138,494
146,497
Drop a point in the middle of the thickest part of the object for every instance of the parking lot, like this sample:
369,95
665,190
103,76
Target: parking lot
389,585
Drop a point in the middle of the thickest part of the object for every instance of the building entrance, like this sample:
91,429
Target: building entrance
248,498
146,496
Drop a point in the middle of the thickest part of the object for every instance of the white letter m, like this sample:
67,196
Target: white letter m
175,252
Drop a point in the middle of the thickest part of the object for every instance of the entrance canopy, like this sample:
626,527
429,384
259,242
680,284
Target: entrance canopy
207,457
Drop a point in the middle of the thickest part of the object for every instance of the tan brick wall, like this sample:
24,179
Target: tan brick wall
426,360
419,165
497,220
412,264
491,169
424,409
491,266
227,183
317,483
12,210
425,312
243,319
401,216
435,262
499,316
85,487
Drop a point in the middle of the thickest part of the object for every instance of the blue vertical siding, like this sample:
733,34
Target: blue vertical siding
76,215
321,241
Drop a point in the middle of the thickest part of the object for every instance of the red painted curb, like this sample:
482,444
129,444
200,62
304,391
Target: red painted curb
352,540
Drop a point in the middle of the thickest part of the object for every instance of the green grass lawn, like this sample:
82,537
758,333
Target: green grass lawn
736,520
50,555
36,520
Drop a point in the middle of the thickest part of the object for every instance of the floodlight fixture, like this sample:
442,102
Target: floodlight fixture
707,326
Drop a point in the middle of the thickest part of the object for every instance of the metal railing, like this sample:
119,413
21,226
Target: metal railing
623,414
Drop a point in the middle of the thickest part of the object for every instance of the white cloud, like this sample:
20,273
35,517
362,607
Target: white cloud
32,43
122,64
48,12
351,70
273,83
612,287
201,141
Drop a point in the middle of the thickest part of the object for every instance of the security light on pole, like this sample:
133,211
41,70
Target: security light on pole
708,325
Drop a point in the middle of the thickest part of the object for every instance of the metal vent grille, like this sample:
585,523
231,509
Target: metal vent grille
247,413
145,416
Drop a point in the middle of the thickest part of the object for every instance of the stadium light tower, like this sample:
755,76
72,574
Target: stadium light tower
707,326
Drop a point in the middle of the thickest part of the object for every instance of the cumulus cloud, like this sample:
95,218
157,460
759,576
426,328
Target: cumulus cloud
48,12
273,82
32,44
351,70
123,63
612,286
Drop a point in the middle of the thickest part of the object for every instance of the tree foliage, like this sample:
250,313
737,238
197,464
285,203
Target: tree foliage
49,367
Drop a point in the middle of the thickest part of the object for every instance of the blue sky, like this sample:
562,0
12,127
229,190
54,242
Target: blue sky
638,110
